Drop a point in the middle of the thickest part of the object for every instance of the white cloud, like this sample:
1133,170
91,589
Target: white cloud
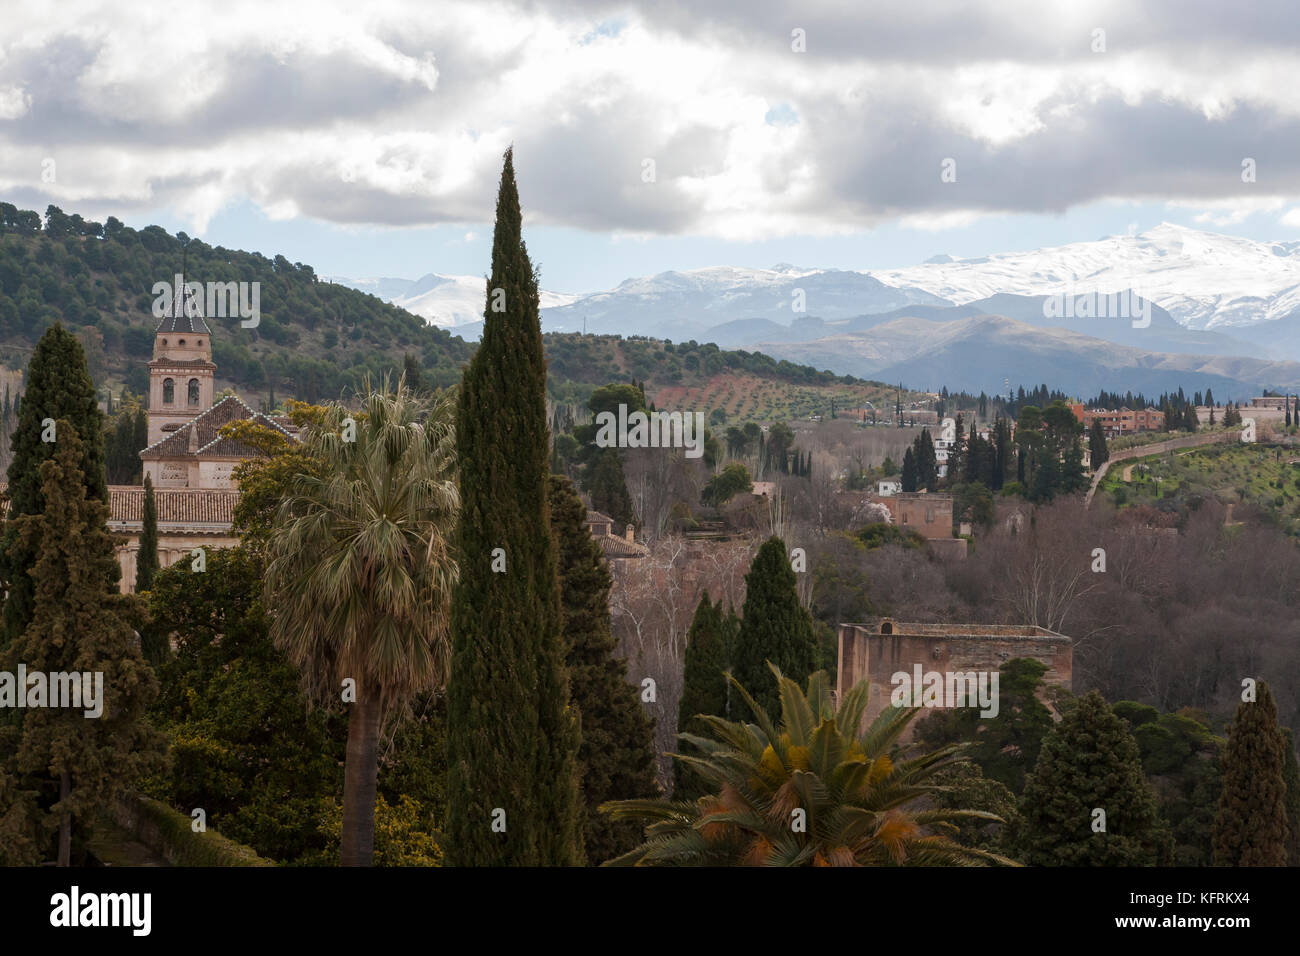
398,112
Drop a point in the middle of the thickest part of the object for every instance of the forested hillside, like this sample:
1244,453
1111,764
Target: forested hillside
313,339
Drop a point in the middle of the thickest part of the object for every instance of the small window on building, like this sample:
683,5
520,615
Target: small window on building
181,343
929,516
194,391
169,391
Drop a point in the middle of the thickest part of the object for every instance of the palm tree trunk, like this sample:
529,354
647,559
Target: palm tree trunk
359,773
65,824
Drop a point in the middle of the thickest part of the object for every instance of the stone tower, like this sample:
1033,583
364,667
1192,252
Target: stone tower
181,375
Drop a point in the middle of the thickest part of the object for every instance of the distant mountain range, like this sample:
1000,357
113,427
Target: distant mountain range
1225,314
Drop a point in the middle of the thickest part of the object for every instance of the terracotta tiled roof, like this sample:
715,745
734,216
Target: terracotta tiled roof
183,506
209,442
616,547
595,517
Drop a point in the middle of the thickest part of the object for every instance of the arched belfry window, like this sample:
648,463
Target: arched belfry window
194,391
169,391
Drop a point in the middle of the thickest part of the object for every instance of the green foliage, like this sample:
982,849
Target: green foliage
404,833
58,388
172,833
731,481
709,646
774,627
1180,757
617,756
814,790
881,533
1090,762
360,573
1006,746
512,736
1250,828
605,482
61,767
246,746
146,560
294,346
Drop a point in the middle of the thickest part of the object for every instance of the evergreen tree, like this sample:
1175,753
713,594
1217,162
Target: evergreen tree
146,560
1250,828
1090,762
608,488
414,375
774,627
616,758
1097,450
512,740
956,454
58,388
704,683
73,766
909,470
927,475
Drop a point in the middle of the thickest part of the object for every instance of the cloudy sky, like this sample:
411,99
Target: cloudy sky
366,138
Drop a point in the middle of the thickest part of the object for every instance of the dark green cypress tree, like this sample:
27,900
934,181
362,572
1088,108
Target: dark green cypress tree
78,625
1291,778
774,627
512,739
704,685
608,488
1097,452
1090,762
1250,828
58,388
617,758
146,559
909,475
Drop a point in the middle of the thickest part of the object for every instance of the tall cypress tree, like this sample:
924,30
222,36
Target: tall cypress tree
617,758
146,560
58,388
1090,762
512,740
704,684
774,627
607,486
1250,828
72,766
909,473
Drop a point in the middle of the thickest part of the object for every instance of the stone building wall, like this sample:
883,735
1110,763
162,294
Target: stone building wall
878,650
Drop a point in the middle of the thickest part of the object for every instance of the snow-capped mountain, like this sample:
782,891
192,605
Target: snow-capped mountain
1204,280
680,305
441,299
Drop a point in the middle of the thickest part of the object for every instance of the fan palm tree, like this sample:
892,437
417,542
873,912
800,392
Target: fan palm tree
360,573
814,792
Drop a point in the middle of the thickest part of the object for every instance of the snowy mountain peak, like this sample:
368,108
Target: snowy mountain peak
1205,280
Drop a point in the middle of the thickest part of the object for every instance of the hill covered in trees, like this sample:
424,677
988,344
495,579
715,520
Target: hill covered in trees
314,338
